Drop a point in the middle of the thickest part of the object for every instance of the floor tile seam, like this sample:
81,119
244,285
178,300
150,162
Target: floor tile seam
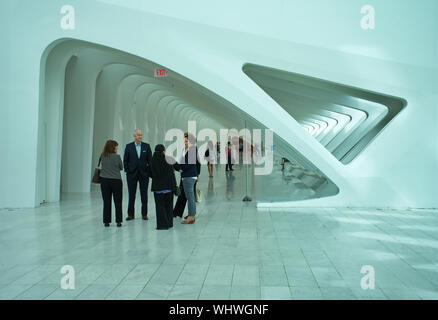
24,274
23,292
177,278
79,293
308,266
83,290
409,266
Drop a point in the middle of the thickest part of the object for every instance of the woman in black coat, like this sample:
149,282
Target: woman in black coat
164,186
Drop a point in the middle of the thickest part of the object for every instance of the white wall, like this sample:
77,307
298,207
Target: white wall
319,38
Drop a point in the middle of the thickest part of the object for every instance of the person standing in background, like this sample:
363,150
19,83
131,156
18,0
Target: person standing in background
229,166
136,161
111,182
210,156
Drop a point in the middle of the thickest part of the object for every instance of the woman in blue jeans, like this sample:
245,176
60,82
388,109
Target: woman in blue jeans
190,169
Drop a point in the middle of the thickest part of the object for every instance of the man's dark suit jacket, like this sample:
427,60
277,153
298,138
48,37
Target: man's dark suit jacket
132,164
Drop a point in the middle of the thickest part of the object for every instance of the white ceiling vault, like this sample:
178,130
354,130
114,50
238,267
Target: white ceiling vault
356,107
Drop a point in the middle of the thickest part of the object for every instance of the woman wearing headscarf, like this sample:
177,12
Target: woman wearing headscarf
163,186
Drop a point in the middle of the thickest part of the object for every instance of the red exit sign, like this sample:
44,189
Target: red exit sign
160,72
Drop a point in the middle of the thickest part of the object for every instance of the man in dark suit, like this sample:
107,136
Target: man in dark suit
136,161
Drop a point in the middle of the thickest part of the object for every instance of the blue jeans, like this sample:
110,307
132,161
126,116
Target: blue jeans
188,185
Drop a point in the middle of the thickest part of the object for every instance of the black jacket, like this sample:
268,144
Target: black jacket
134,165
166,179
191,169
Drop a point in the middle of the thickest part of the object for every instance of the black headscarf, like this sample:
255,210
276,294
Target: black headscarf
158,161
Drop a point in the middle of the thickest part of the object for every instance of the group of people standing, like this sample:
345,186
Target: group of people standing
139,165
211,155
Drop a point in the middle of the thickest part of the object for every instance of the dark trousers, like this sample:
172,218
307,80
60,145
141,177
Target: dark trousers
229,165
111,188
132,181
164,210
181,202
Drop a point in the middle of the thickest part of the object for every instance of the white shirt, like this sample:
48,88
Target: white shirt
138,147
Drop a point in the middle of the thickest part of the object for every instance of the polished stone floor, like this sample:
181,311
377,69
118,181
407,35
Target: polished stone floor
233,251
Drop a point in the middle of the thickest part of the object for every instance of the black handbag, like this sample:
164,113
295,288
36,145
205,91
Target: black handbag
96,175
177,191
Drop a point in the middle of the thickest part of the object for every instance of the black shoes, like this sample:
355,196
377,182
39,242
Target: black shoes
132,218
118,224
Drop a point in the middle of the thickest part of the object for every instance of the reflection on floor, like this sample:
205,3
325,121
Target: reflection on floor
232,251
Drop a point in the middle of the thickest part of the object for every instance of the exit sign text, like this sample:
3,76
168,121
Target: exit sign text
160,72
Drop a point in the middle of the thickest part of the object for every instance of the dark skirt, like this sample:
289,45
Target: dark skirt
164,210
